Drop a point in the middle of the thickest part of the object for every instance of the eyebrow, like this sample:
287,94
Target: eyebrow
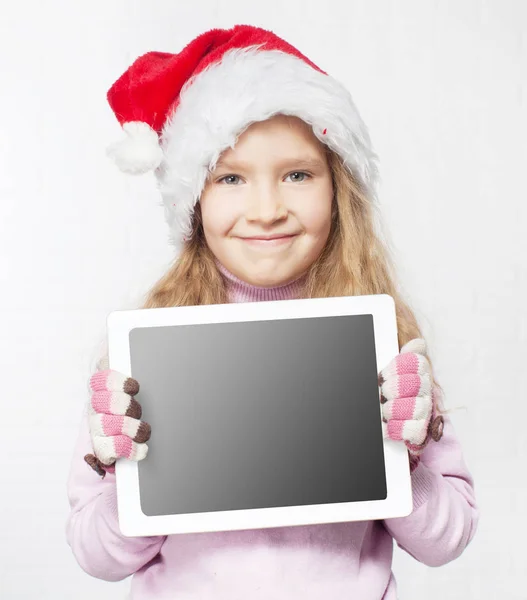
303,162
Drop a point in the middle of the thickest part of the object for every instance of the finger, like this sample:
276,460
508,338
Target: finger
411,408
415,346
113,381
406,386
110,425
415,449
109,449
116,403
406,364
414,432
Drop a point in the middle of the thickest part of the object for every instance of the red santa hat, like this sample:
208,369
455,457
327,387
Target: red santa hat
181,111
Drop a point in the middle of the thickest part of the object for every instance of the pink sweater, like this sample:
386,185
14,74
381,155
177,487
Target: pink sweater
312,562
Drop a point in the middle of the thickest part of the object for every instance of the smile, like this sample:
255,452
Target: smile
269,242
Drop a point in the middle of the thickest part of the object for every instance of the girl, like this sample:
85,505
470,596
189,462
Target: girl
268,180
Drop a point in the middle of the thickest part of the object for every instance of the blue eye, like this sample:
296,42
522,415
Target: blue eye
228,177
302,173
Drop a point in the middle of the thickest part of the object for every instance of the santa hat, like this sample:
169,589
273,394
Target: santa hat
181,111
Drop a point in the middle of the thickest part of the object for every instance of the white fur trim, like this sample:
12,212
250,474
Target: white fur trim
139,152
250,85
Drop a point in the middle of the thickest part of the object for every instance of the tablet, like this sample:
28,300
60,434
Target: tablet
263,414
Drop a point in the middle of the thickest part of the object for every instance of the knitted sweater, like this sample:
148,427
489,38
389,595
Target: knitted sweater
312,562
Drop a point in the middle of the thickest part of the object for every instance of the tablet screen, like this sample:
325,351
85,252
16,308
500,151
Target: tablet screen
259,414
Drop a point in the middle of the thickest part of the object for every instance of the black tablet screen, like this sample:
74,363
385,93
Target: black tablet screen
259,414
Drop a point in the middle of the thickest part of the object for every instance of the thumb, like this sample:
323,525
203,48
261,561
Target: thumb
417,345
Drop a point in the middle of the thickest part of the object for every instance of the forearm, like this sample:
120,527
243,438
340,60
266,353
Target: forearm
444,519
445,516
92,528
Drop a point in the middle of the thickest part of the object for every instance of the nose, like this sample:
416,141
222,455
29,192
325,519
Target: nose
265,205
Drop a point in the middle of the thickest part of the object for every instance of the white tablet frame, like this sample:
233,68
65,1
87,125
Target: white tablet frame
133,522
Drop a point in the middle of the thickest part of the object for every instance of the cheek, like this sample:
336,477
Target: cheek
315,216
218,216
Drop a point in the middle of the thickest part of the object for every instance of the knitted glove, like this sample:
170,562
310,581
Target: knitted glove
407,399
114,420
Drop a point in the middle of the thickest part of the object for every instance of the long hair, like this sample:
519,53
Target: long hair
355,261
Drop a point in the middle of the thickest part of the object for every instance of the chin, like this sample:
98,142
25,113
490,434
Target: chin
268,280
266,272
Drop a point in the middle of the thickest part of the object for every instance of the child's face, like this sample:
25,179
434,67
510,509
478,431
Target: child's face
261,188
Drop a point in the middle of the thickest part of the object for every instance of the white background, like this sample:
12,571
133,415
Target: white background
442,86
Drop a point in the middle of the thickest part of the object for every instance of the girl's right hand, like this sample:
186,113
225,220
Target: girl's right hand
114,420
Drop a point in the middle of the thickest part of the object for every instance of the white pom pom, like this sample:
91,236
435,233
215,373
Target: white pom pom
139,152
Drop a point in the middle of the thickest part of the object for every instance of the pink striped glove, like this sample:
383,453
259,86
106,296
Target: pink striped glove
114,420
407,400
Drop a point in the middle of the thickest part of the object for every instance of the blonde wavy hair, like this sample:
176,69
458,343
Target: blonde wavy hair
353,262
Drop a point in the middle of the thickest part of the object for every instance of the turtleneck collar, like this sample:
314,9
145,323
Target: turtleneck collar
241,291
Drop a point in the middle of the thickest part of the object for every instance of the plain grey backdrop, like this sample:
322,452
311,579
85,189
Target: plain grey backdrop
442,87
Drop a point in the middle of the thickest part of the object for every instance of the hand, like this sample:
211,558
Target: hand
114,420
407,399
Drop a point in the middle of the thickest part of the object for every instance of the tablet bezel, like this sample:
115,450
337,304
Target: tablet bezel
398,503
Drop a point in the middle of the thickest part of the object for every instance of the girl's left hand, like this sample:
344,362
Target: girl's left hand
407,401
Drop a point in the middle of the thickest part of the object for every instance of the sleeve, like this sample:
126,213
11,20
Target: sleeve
92,528
445,515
